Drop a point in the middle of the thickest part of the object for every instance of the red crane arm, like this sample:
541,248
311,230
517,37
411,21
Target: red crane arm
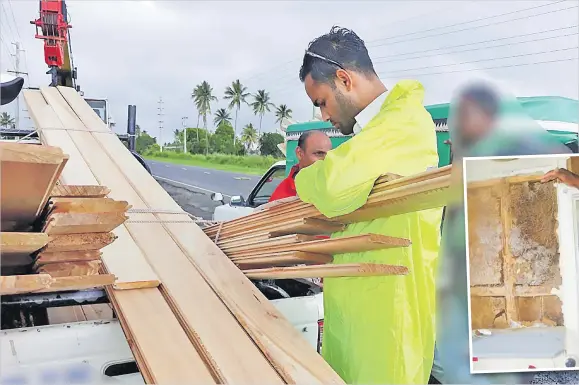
52,27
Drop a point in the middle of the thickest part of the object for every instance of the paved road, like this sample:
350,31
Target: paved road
204,179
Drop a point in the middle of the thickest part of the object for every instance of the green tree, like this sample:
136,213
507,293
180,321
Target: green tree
282,112
197,140
268,144
249,136
236,93
261,104
7,121
137,130
203,98
146,143
222,116
222,139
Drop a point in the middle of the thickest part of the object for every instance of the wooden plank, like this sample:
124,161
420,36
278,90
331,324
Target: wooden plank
78,242
44,283
350,244
206,330
87,205
22,243
146,306
326,271
82,223
520,291
309,226
29,172
508,261
73,191
288,352
285,258
514,179
573,164
272,242
67,269
45,258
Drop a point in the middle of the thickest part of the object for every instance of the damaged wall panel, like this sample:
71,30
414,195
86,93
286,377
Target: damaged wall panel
513,253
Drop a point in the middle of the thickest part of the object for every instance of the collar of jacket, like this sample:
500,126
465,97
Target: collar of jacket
402,89
294,171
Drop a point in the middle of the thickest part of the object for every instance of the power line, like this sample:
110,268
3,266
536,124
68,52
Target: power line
468,22
14,19
482,60
478,49
298,60
492,68
464,29
469,44
476,27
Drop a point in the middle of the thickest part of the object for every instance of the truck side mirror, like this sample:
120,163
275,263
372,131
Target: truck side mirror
217,197
237,200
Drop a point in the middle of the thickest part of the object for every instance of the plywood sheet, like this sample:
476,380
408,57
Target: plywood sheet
484,237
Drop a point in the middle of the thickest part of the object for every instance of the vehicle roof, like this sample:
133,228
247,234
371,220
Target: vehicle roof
279,163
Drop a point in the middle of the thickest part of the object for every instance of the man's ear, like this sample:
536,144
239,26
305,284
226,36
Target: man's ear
344,79
299,153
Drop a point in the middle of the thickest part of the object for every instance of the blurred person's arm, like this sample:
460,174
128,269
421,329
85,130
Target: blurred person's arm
562,175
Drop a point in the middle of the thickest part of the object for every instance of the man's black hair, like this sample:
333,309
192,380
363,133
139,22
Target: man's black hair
341,46
303,138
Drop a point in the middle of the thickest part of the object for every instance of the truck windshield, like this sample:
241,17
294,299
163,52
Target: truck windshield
99,107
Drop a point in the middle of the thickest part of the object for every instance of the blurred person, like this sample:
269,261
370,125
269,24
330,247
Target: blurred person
482,124
377,330
312,146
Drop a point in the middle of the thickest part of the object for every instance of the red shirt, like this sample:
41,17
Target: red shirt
287,187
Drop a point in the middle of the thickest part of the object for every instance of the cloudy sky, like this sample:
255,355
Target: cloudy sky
134,52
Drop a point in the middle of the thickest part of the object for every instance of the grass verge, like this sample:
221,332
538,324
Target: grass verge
249,164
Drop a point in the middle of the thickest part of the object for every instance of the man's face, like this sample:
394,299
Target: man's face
335,103
316,147
473,122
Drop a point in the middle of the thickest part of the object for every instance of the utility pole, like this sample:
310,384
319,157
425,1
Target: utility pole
17,73
183,119
160,114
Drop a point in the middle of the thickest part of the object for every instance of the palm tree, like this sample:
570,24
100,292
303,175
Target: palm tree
249,136
203,98
236,94
282,112
261,105
221,116
195,96
7,121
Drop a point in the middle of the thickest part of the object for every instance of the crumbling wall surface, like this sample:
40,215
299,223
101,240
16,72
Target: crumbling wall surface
531,258
533,238
485,237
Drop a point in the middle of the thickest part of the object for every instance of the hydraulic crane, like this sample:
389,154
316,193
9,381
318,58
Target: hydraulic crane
52,27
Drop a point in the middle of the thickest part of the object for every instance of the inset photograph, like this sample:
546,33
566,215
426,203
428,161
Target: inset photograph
522,226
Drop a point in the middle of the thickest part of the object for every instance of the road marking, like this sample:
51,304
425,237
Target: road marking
206,172
241,178
189,185
183,168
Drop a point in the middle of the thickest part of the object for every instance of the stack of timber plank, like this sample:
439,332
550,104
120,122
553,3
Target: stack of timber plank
29,174
183,329
289,239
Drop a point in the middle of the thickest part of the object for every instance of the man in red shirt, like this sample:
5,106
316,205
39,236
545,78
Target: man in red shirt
312,146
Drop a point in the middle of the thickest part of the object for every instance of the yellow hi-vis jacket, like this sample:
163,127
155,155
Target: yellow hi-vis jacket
380,330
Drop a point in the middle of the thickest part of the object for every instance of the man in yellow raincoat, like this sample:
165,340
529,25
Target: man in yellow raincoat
377,330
